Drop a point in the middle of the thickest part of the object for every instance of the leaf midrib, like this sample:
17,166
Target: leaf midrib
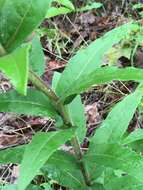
18,28
33,161
24,102
78,181
38,152
86,65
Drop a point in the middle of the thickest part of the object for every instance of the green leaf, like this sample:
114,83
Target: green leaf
137,146
37,62
114,179
35,104
1,3
124,183
134,136
98,186
118,158
109,174
67,7
135,140
18,19
34,187
113,155
55,80
12,155
14,187
77,116
63,168
75,110
90,7
117,121
15,66
66,3
38,152
53,11
100,76
137,6
8,187
96,173
87,60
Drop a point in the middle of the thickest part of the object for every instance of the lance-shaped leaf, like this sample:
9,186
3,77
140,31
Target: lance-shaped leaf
124,183
55,80
98,186
75,110
117,157
77,116
89,59
117,121
114,156
18,19
38,152
137,146
134,140
35,103
66,3
12,155
37,61
54,11
15,66
103,75
134,136
93,5
114,179
105,148
64,168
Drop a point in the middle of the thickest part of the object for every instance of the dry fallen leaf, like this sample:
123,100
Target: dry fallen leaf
92,114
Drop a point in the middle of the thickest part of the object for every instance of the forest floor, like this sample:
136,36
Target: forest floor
66,35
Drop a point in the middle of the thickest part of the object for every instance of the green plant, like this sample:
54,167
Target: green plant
110,162
67,7
138,7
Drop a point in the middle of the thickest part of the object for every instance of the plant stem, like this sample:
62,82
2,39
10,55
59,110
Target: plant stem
40,84
43,87
79,154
